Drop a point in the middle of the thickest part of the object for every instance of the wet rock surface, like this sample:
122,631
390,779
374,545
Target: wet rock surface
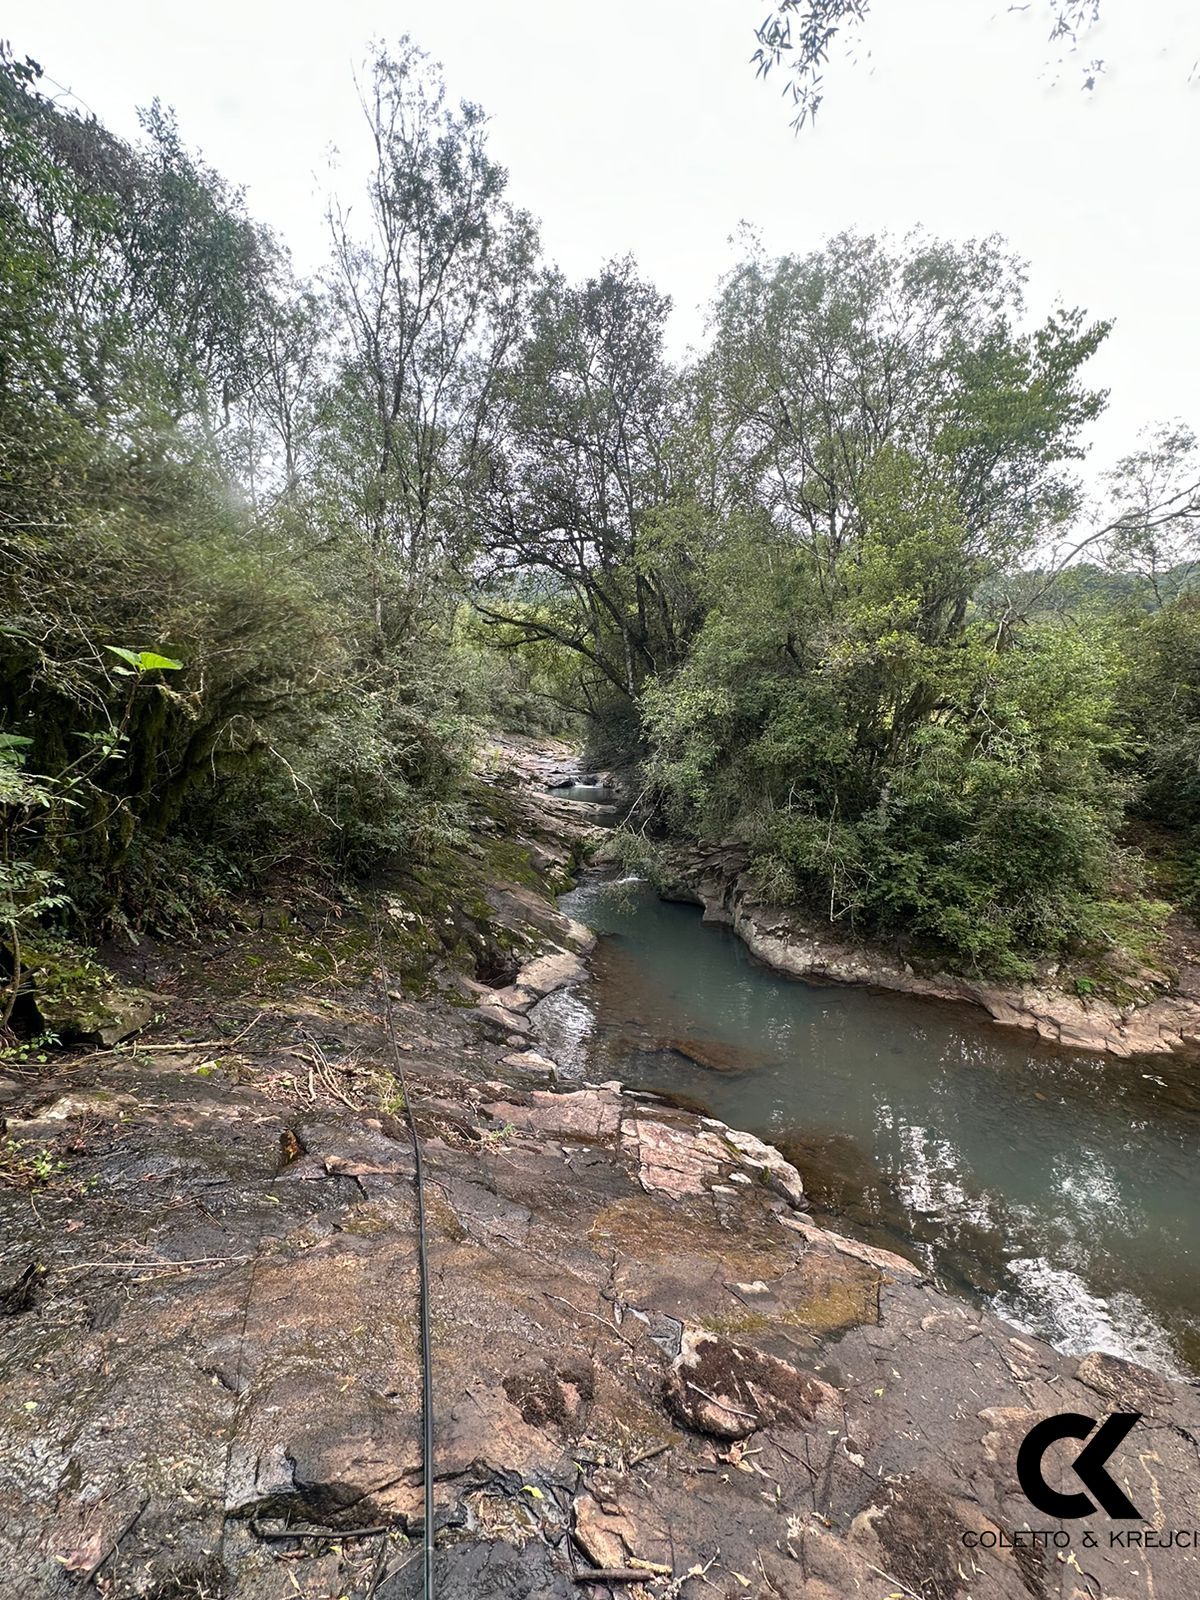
648,1360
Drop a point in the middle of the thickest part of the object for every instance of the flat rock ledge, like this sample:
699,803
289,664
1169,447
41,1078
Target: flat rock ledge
656,1375
648,1362
716,880
503,1011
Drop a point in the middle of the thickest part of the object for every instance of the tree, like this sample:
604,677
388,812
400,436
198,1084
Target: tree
428,298
801,34
1143,535
578,477
1162,701
140,260
819,363
891,439
896,773
287,366
1153,535
181,648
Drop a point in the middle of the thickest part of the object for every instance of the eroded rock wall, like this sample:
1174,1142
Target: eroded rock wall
717,879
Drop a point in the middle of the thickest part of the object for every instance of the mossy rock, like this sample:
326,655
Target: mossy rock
80,1003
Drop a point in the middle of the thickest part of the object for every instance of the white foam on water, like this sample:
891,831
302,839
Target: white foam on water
927,1179
1055,1304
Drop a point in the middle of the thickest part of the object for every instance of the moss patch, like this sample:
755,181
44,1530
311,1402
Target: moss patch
640,1229
826,1295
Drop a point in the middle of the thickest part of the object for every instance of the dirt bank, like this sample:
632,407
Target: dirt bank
649,1361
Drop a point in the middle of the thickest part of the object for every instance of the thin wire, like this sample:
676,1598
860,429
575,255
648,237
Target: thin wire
423,1259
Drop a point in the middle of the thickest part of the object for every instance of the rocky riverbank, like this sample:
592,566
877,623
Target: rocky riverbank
716,878
654,1375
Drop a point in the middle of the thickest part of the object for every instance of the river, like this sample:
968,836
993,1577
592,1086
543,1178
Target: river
1058,1188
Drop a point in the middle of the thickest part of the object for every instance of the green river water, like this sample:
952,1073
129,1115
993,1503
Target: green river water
1058,1188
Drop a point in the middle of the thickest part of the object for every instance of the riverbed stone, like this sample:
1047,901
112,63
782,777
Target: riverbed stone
559,969
533,1063
503,1025
583,1113
675,1160
778,1173
716,1055
731,1390
102,1017
825,1238
1125,1385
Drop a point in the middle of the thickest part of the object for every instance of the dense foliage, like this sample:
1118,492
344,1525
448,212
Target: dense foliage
806,581
226,638
903,760
273,552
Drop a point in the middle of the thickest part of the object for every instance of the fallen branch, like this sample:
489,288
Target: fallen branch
792,1456
622,1574
153,1266
888,1578
591,1315
257,1529
724,1405
152,1047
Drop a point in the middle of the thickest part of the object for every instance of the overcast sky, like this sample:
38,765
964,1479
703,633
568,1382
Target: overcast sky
637,125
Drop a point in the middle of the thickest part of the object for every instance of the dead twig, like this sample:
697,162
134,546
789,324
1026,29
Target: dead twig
257,1529
153,1266
592,1317
123,1532
148,1047
640,1574
791,1456
320,1068
724,1405
888,1578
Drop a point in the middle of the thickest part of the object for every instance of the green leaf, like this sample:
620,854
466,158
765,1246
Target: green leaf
143,660
131,656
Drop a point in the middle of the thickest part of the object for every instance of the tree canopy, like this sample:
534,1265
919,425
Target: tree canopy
797,38
274,551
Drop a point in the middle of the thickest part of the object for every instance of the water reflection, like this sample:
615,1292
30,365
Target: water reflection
1059,1188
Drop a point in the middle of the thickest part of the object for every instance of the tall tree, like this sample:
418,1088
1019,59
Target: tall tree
820,363
578,475
429,295
142,264
286,374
